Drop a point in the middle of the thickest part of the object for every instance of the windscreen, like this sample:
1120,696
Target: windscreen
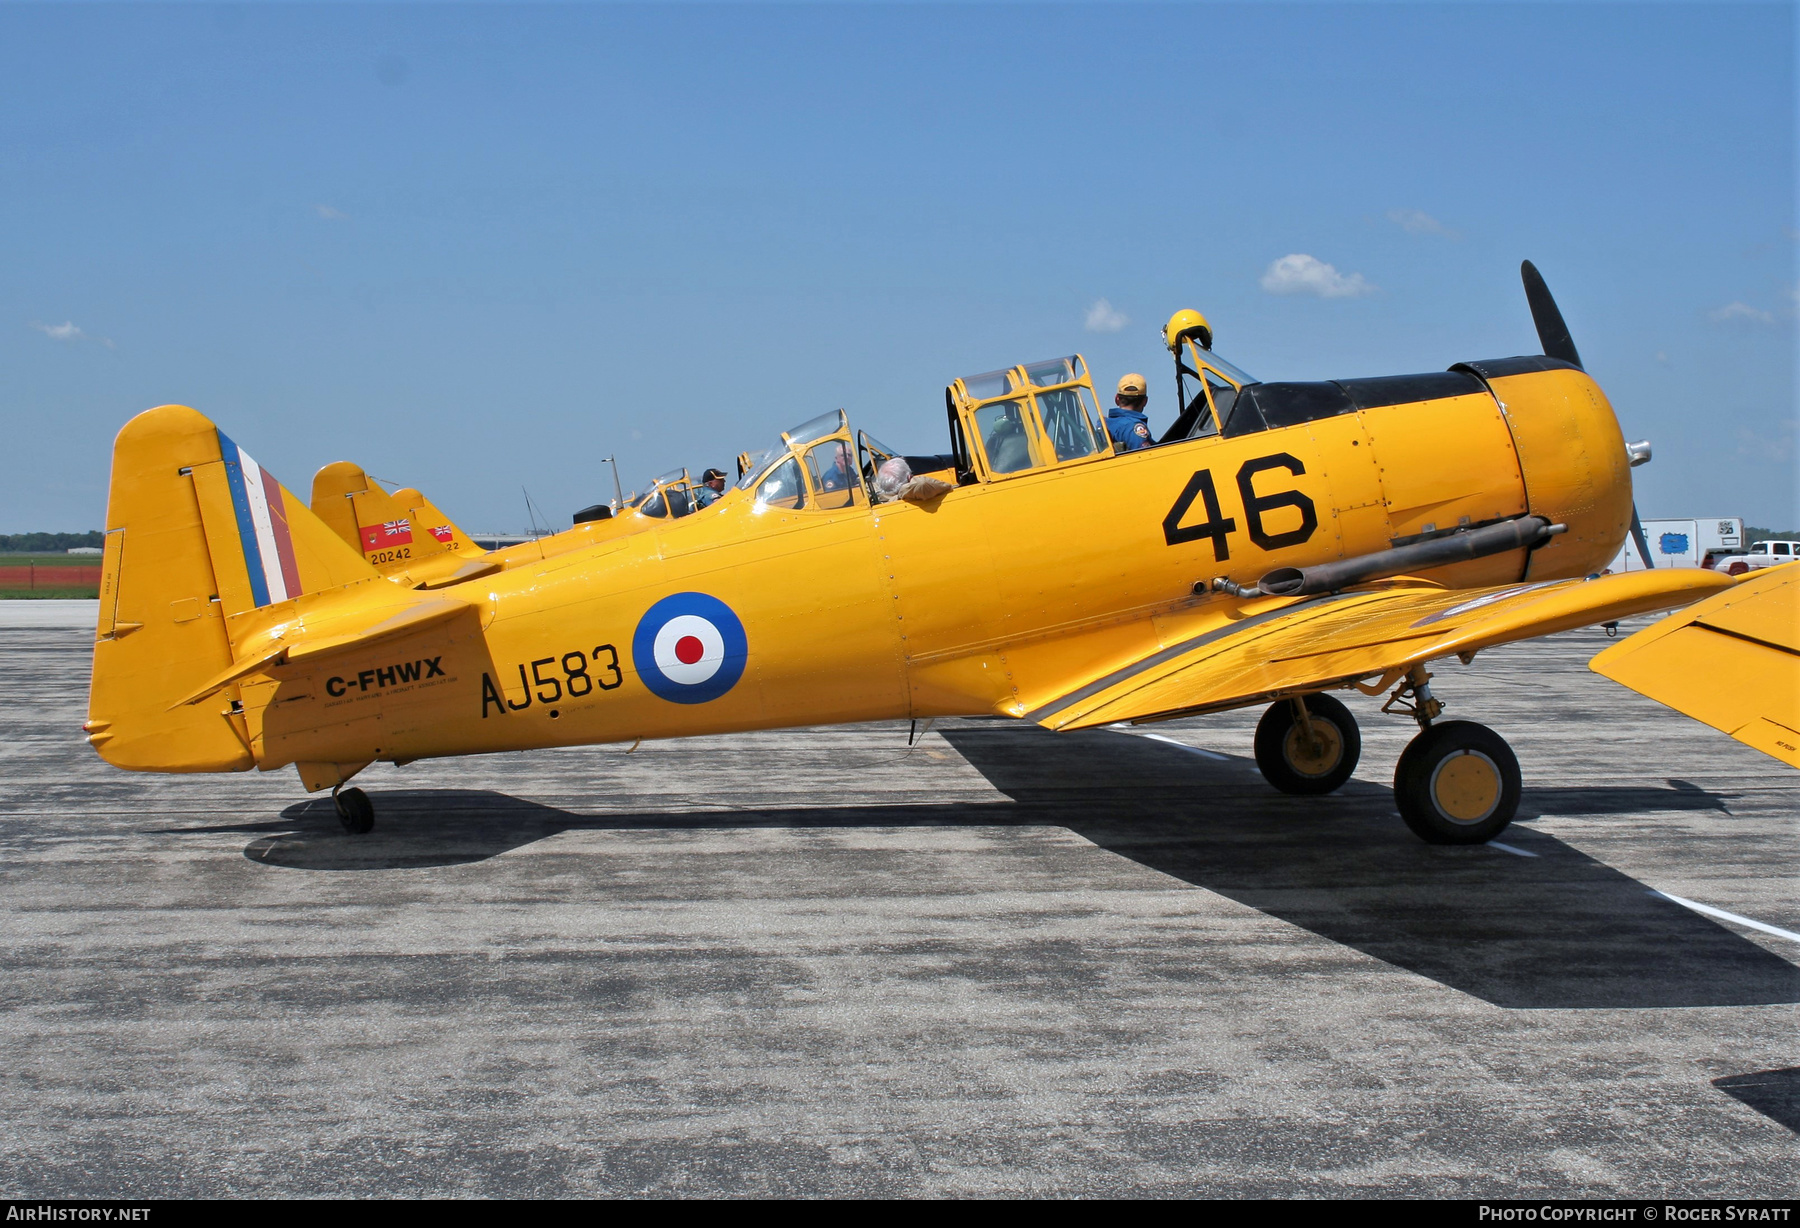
818,428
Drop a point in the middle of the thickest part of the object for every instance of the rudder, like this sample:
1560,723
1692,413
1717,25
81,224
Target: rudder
200,538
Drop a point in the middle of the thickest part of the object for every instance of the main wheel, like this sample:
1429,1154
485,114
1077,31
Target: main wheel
1457,783
1294,763
355,811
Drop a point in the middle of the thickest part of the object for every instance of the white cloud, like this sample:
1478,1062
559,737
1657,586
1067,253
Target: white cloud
330,214
1740,311
68,330
1775,446
1103,317
1418,222
1302,274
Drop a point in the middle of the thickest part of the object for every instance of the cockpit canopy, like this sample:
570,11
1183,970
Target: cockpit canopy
813,467
671,496
1206,388
1033,416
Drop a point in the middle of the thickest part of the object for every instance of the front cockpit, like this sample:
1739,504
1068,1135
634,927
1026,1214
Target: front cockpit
1206,390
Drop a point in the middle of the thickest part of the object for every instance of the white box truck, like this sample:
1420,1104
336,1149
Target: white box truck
1682,543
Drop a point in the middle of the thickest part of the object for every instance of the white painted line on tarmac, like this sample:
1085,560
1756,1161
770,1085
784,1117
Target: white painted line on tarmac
1732,917
1507,848
1210,754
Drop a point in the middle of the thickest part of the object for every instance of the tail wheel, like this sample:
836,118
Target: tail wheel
1296,760
1457,783
355,811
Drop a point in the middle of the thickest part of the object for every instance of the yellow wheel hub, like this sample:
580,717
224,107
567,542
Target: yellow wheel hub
1466,786
1317,755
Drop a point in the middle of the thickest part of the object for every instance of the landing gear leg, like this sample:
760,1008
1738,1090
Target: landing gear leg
354,809
1457,782
1307,745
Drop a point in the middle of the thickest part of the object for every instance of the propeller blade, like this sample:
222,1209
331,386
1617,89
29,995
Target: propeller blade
1552,333
1637,535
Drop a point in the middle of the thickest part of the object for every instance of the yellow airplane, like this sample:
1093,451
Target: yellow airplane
1280,541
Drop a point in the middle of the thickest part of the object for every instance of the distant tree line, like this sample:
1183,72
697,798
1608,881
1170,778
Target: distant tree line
1753,534
31,543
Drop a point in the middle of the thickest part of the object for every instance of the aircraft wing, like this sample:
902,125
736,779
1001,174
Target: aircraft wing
1731,661
1264,649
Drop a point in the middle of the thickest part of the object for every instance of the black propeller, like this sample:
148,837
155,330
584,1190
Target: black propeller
1553,335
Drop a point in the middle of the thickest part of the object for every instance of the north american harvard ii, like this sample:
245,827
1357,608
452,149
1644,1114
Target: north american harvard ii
1280,541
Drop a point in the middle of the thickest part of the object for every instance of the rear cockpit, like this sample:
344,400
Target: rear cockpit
1035,416
670,497
812,468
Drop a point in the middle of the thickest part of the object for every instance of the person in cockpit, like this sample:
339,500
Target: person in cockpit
712,485
1126,421
839,475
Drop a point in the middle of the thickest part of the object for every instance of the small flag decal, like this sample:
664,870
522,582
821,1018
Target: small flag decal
387,535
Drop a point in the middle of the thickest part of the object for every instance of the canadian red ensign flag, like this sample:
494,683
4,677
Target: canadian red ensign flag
387,534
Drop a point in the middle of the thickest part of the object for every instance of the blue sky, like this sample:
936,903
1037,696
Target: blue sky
478,248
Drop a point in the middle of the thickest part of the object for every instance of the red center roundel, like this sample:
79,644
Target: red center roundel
688,649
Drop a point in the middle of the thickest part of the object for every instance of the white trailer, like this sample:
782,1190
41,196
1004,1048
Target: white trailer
1681,543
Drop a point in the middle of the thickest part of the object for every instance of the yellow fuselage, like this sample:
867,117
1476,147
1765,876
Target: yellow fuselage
988,600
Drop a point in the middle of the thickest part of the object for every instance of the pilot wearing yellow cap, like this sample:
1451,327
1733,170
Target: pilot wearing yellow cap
1126,421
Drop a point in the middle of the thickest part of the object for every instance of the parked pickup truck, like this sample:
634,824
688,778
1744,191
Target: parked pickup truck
1762,554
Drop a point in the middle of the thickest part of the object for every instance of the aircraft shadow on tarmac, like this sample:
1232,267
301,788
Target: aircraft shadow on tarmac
1557,930
1773,1093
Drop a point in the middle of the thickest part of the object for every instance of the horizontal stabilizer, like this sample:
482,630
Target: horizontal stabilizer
328,627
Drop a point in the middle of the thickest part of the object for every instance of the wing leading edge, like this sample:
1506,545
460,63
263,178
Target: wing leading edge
1731,661
1265,649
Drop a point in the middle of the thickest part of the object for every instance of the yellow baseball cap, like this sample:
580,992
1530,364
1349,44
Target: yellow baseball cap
1133,386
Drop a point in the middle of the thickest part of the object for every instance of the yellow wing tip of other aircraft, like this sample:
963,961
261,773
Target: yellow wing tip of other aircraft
1731,661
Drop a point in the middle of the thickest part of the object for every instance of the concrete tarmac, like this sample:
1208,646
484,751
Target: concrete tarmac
814,962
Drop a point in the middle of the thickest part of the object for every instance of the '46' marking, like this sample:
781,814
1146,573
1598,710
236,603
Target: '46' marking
1217,525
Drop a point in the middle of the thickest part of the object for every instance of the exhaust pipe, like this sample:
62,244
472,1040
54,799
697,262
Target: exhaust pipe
1420,556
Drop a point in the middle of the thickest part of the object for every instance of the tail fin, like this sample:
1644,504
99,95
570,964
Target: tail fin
198,535
440,526
402,535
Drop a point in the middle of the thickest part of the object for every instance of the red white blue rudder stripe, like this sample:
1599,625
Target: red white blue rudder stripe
262,523
689,648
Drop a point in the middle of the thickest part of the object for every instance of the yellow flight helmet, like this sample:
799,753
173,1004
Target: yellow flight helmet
1187,323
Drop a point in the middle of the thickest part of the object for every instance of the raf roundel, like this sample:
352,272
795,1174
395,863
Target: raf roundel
689,648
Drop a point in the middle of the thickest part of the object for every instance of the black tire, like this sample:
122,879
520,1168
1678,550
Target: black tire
1281,750
356,812
1457,783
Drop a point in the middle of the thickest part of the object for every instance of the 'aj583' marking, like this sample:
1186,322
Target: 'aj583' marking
575,682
